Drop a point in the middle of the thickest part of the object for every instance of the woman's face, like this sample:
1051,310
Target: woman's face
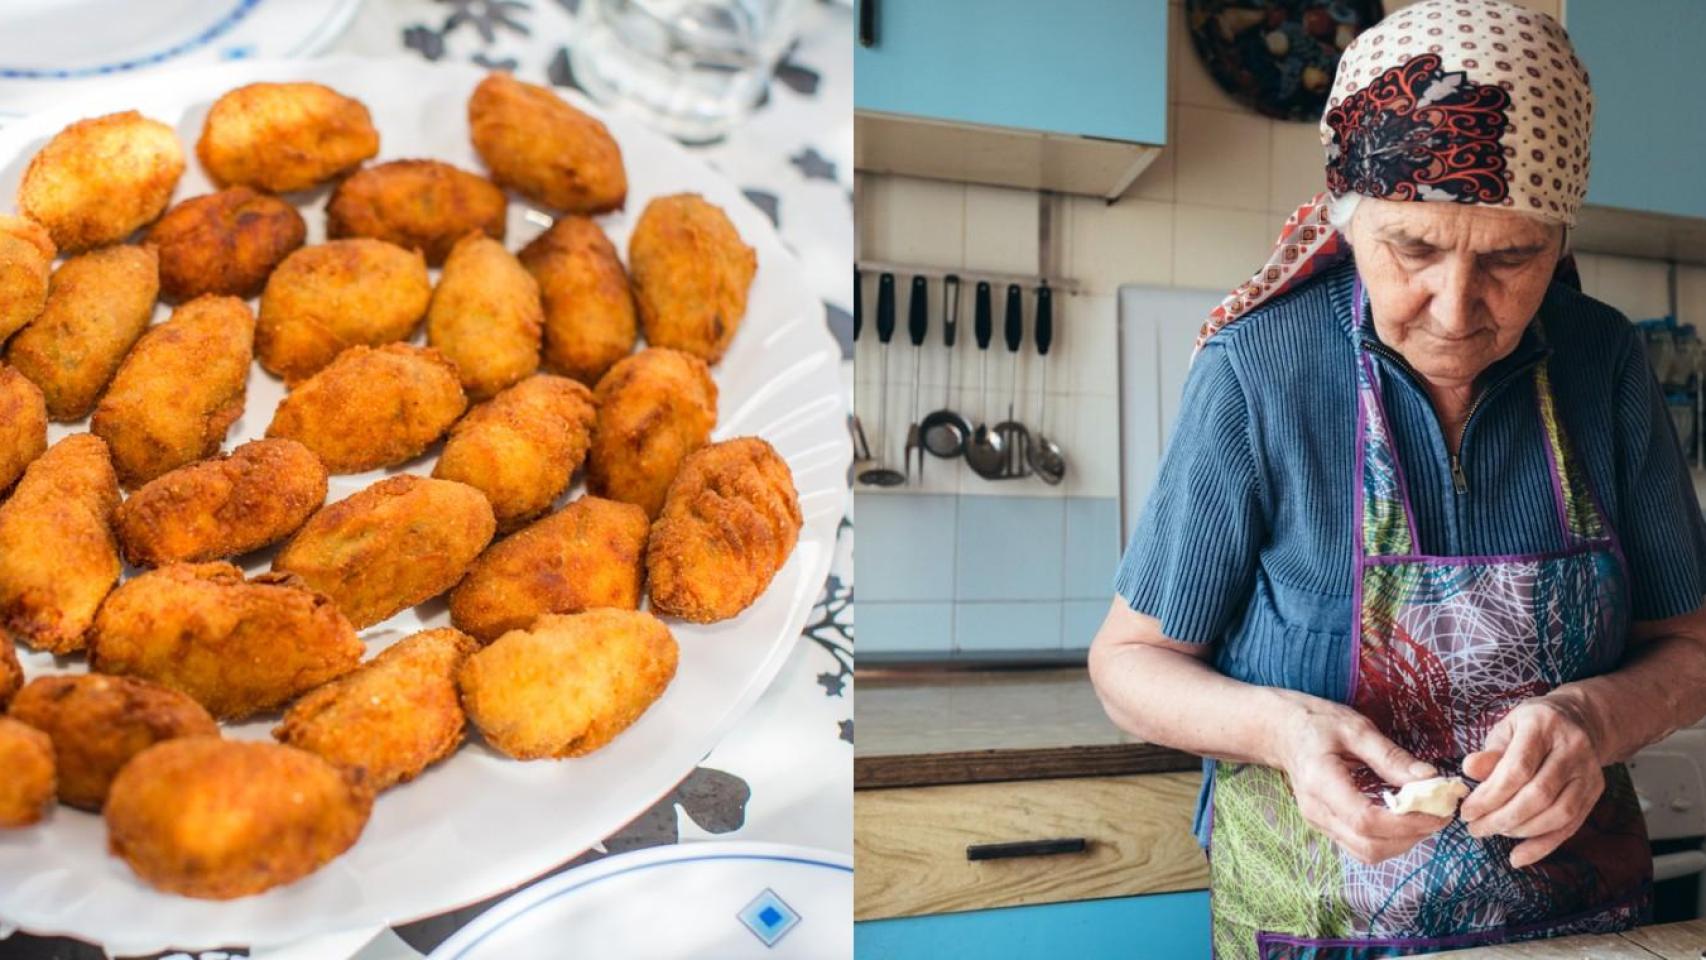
1452,286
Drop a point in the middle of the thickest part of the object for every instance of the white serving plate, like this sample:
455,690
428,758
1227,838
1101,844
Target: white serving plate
726,900
479,823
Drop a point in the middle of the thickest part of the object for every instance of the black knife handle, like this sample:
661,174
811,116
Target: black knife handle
918,311
858,302
885,307
1026,848
1015,318
950,308
1045,319
983,324
867,23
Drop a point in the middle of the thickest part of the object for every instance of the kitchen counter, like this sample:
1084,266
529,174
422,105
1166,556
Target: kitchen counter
1670,941
933,728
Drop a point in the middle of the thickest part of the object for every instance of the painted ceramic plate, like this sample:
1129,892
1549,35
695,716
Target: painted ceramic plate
724,900
479,823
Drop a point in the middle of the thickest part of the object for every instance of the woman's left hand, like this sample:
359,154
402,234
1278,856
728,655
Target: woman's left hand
1541,776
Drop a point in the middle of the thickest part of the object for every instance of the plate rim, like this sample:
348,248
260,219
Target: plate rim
17,135
511,908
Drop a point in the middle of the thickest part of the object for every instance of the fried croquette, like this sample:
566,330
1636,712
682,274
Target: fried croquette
569,684
394,717
691,272
730,522
253,497
589,309
521,447
280,137
224,243
534,141
372,407
221,819
423,205
58,558
11,672
591,553
178,391
97,723
100,179
98,305
26,262
323,299
654,408
485,316
237,646
27,788
402,541
23,425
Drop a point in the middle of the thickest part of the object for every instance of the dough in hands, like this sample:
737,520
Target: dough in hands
1435,796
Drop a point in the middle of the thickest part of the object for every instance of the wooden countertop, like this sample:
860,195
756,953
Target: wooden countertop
1669,941
925,729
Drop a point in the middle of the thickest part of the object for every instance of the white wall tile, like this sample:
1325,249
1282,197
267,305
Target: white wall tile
1105,245
1587,265
910,220
1088,344
1223,158
1218,249
1091,444
1639,288
1000,229
1691,295
1299,166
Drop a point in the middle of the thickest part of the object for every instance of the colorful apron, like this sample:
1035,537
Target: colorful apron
1443,648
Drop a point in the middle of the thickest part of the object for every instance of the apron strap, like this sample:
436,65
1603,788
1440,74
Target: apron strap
1580,516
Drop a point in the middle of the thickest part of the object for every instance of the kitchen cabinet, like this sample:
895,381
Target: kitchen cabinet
1170,926
1640,56
949,765
1069,95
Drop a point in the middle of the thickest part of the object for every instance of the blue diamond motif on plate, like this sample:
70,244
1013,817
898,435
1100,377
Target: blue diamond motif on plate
768,917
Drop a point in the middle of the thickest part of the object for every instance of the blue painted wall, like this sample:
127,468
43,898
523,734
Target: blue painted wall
1649,138
1171,926
1090,67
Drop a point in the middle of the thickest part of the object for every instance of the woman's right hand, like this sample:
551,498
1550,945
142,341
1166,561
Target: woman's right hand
1318,746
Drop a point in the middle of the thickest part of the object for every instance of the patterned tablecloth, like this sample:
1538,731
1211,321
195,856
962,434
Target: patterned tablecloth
785,773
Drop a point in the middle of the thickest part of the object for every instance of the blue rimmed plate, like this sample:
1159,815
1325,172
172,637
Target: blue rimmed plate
48,47
711,899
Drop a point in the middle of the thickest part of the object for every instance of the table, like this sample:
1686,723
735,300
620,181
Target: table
1670,941
784,774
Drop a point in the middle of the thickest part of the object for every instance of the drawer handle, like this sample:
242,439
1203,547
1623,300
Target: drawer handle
1026,848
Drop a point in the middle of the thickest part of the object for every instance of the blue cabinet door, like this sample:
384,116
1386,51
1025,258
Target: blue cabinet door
1649,135
1093,68
1168,926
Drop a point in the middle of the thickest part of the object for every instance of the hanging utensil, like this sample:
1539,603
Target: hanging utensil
1014,437
861,449
883,475
984,453
917,320
1043,454
945,431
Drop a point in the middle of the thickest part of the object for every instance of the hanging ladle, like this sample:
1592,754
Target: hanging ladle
883,475
945,431
1043,454
984,454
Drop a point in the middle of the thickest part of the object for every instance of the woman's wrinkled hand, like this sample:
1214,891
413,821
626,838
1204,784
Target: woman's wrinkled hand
1318,748
1541,776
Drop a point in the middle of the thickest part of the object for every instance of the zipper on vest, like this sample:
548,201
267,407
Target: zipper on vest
1458,480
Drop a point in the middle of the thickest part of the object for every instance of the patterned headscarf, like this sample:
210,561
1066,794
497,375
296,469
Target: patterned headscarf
1453,101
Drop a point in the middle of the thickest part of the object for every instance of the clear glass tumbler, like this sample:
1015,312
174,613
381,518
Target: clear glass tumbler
691,68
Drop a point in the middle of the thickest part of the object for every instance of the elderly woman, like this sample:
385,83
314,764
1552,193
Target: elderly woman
1423,514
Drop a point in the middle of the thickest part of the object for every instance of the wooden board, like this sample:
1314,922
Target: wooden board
910,844
988,766
1672,941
